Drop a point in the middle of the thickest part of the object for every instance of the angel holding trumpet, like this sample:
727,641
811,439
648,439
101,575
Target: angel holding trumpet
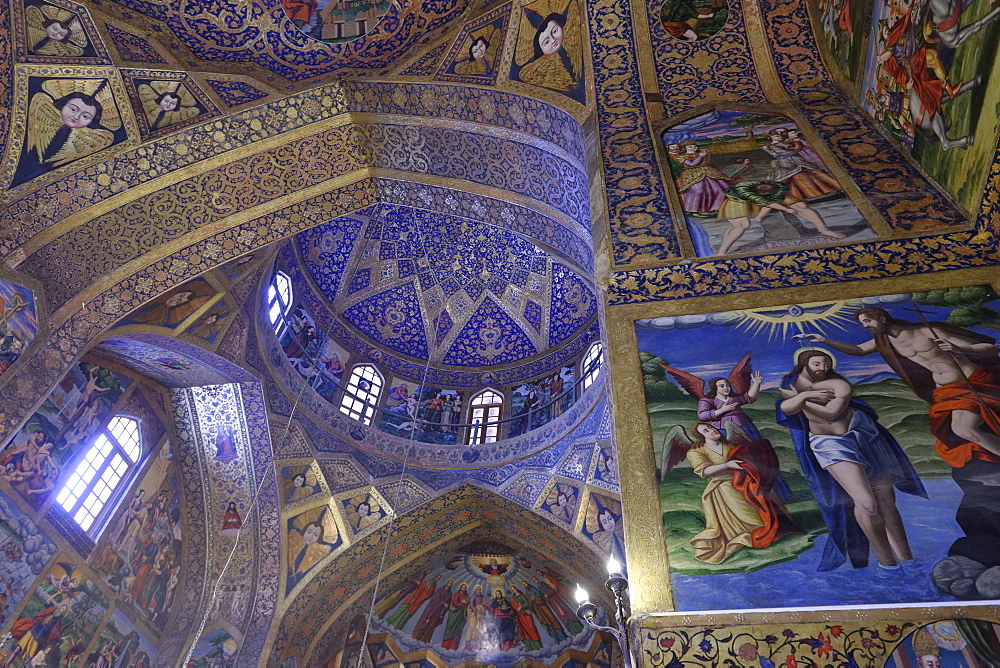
739,502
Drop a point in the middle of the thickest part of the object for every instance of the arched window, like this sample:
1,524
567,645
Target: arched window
592,363
484,414
362,392
103,473
279,300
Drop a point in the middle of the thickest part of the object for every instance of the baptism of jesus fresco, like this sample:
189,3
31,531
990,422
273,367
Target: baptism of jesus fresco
752,182
812,454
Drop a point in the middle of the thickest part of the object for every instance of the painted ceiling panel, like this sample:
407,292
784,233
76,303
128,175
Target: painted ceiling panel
387,274
392,318
490,337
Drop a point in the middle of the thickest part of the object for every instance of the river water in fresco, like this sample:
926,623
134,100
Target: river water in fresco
797,583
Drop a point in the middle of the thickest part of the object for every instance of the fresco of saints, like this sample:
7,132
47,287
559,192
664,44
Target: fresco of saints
740,507
483,47
167,103
54,31
552,57
68,119
311,537
172,308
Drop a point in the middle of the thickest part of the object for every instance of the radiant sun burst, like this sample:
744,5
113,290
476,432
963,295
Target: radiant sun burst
800,318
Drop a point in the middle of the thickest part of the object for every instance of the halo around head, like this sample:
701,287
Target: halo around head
798,353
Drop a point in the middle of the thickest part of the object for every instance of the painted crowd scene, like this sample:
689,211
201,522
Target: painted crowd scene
483,601
832,453
751,181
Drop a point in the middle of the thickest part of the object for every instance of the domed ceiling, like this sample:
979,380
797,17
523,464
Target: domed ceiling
454,291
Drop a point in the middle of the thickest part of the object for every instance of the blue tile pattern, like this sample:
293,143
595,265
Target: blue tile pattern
393,319
490,337
573,304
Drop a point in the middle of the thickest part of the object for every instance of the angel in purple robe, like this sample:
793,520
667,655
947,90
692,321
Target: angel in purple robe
724,398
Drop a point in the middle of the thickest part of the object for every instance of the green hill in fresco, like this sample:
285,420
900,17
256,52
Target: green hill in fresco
899,410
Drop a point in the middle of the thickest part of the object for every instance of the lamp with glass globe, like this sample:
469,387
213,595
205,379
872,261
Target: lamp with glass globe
587,610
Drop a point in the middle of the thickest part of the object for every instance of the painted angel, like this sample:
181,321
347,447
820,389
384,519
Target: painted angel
363,511
553,56
561,502
71,119
724,398
483,46
54,31
167,103
739,503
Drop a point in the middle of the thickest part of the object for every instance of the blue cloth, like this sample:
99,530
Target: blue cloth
846,539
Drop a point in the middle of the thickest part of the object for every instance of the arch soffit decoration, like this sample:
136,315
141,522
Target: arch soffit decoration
458,516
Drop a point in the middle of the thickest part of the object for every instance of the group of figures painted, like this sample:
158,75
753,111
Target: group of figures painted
475,603
925,70
752,182
837,445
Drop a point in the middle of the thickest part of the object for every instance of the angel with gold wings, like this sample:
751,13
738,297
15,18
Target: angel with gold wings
363,511
54,31
739,502
552,57
561,502
167,103
724,398
483,46
71,119
309,541
301,486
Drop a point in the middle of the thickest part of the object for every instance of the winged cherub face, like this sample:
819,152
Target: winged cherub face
56,31
478,51
169,102
78,114
551,37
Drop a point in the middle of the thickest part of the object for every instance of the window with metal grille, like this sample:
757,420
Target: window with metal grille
592,363
484,416
362,392
103,473
279,300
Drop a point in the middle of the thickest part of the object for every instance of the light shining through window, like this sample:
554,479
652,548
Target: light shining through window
362,393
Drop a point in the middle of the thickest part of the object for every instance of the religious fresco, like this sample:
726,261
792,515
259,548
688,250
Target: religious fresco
335,20
364,511
561,501
301,482
18,322
475,54
24,553
59,620
603,525
121,644
173,307
215,650
484,602
58,32
166,101
928,83
949,643
428,414
211,323
842,29
693,20
311,536
549,51
540,401
140,556
808,457
37,458
750,181
67,119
